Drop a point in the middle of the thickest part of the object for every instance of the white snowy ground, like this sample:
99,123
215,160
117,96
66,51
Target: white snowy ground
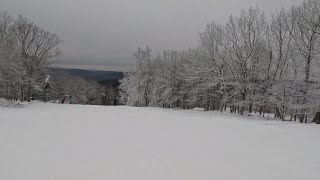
74,142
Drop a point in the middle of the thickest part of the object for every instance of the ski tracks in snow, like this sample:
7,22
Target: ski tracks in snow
156,157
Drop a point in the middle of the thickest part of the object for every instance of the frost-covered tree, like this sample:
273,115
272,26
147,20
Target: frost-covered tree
10,69
82,91
136,87
25,53
250,63
36,46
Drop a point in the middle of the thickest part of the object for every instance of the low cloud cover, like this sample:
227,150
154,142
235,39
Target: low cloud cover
104,34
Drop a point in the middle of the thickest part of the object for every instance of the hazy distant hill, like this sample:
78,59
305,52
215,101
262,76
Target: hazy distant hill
89,74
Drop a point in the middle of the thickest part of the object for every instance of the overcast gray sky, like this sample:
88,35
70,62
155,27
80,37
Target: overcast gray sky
103,34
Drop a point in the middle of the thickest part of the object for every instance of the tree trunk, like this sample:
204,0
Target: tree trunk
221,102
250,107
243,98
29,92
260,110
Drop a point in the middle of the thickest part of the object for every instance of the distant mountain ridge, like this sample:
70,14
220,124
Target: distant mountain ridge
89,74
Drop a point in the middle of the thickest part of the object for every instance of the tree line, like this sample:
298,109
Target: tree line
81,90
252,63
26,50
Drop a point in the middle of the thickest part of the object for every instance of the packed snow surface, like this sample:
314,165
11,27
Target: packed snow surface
74,142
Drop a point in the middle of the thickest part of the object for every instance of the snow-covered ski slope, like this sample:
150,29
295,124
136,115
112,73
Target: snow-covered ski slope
74,142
